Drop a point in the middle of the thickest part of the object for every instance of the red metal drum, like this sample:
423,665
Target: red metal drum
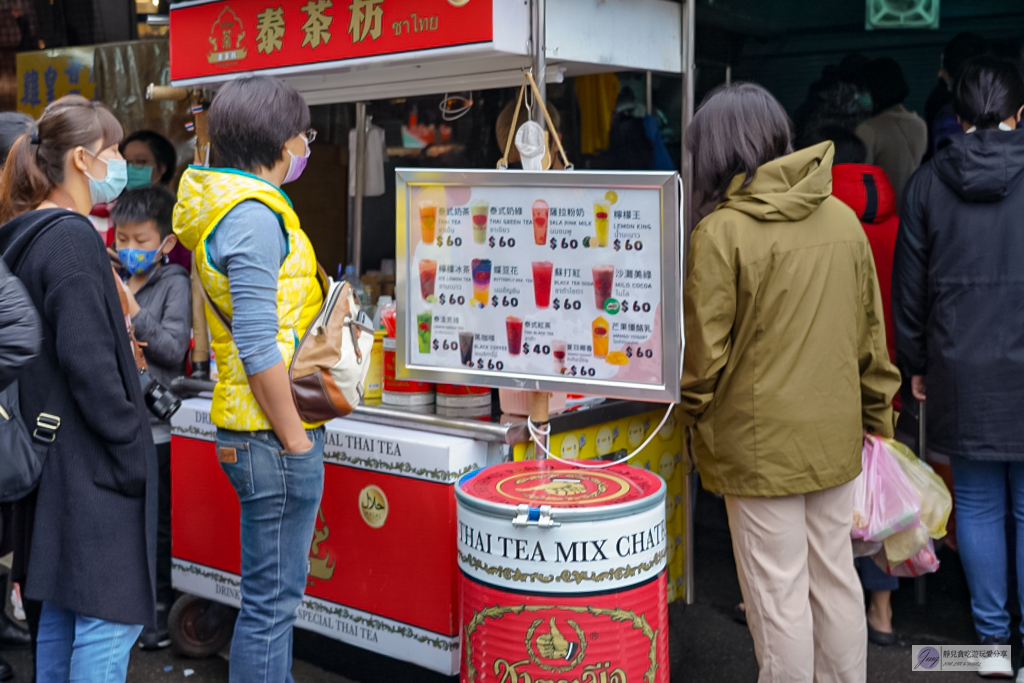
563,575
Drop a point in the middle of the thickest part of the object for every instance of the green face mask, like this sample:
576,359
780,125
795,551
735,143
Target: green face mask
139,176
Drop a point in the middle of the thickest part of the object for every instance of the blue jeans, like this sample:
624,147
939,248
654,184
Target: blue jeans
872,578
72,648
981,511
280,495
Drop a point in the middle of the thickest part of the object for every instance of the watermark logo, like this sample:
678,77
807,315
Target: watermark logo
991,659
927,658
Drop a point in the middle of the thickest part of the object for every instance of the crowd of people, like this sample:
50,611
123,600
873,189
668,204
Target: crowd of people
854,250
881,254
85,322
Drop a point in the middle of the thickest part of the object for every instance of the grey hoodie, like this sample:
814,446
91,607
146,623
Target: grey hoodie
165,324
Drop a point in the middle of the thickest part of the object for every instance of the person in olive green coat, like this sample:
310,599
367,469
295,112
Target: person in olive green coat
785,366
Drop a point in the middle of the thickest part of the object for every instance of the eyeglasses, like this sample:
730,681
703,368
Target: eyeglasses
310,135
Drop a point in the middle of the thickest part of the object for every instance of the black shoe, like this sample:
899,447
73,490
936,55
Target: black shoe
739,615
11,636
881,637
6,670
156,638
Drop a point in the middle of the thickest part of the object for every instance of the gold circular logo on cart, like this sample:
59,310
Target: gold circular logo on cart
373,506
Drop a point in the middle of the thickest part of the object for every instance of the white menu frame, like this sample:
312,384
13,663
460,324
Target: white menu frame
667,390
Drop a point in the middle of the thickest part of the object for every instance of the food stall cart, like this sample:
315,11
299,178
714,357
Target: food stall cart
384,573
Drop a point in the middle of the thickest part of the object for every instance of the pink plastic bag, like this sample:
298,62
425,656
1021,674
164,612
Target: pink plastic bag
884,502
923,562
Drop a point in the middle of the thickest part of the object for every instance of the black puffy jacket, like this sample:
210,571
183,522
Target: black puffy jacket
958,294
20,335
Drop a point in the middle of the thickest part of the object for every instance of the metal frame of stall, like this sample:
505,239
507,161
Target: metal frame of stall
340,81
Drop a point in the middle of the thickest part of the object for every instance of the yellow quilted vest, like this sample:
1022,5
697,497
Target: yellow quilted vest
204,197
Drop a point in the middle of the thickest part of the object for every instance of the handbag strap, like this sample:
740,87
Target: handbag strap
225,320
48,421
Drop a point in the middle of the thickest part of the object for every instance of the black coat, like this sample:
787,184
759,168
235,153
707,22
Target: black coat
958,294
93,543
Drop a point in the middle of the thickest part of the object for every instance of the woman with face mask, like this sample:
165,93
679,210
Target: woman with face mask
86,549
258,267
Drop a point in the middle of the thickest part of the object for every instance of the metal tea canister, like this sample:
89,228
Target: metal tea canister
563,574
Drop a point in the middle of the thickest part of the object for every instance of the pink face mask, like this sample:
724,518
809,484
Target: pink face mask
297,164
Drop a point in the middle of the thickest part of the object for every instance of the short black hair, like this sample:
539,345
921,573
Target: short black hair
144,204
251,118
850,149
988,91
884,79
162,149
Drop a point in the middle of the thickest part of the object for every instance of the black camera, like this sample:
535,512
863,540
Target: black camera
159,399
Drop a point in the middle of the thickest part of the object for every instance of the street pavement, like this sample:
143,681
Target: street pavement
706,643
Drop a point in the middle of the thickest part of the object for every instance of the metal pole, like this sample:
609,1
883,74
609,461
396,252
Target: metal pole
686,42
689,76
360,184
650,94
539,45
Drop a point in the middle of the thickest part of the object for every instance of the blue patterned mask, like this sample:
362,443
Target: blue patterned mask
138,261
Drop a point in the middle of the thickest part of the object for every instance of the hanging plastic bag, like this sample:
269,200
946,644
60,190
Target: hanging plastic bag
887,504
904,545
923,562
936,501
865,548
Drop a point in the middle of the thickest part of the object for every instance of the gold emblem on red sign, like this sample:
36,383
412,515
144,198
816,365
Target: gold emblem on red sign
563,487
226,39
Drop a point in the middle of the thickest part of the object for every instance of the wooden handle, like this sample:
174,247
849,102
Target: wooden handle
166,92
201,347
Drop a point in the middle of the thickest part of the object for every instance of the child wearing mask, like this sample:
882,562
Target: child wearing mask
159,302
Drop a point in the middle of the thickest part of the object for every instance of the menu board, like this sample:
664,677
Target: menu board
548,281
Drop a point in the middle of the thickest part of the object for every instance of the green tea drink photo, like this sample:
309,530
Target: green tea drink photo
423,321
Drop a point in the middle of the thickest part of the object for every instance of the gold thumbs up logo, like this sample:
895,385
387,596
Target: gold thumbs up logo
554,645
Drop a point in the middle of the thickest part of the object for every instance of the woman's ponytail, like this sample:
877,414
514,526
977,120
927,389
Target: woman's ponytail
23,185
35,164
989,91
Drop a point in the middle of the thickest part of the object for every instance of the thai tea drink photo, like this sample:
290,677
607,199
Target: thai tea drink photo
428,220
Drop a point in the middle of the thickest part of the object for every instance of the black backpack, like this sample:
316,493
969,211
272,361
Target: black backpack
22,450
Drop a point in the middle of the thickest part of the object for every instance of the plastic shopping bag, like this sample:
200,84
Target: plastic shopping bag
884,502
866,548
923,562
902,546
936,501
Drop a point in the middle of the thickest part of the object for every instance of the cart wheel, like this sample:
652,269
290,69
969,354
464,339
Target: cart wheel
199,627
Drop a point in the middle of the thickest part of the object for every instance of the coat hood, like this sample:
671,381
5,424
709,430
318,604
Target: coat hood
983,166
205,195
865,189
789,188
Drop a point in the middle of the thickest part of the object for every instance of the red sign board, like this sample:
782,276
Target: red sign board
233,36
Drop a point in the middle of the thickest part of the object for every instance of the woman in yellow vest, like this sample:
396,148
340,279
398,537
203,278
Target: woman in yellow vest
258,267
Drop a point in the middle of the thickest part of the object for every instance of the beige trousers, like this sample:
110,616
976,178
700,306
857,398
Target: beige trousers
803,599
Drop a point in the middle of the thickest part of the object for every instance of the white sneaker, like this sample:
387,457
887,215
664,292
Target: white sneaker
997,667
1020,676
